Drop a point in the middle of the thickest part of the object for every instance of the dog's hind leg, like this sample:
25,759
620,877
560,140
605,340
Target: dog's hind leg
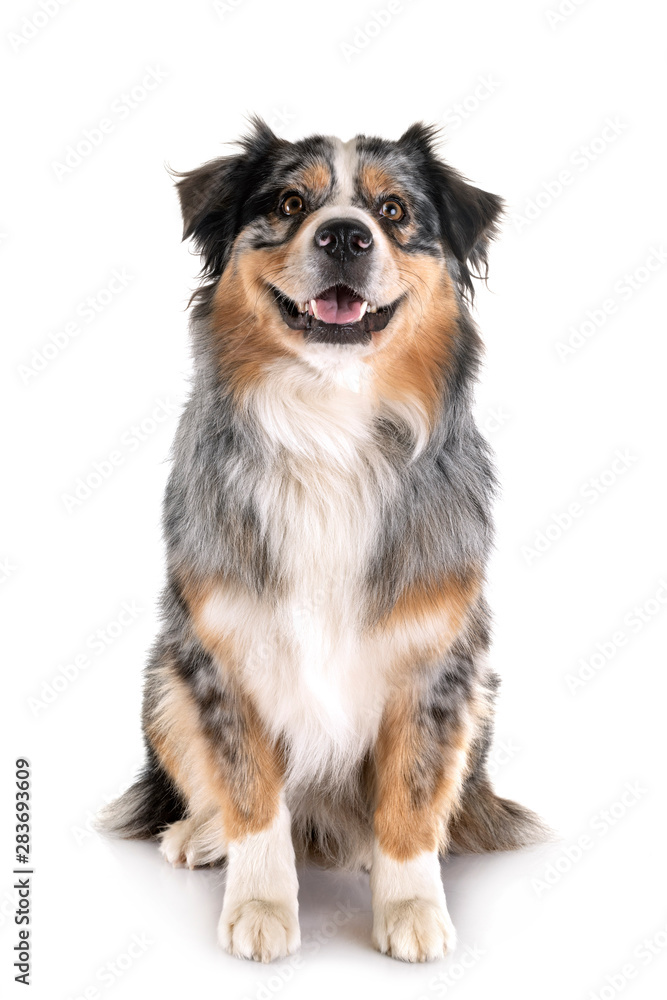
482,821
193,842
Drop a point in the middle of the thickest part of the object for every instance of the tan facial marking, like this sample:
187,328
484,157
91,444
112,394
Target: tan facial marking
375,182
409,366
316,177
245,325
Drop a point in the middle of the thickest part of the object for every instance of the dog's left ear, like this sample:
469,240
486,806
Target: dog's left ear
467,216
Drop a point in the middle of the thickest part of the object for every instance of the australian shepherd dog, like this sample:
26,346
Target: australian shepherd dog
319,688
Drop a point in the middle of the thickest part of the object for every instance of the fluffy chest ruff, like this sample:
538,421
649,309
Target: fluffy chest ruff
303,653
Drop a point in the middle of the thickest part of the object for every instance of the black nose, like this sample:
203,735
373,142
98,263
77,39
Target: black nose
344,238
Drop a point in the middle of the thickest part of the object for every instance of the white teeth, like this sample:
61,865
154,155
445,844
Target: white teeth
364,307
371,309
313,306
302,307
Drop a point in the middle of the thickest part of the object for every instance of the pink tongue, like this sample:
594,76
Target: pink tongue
338,305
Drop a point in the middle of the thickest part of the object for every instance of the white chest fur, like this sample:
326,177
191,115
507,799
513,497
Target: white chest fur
305,661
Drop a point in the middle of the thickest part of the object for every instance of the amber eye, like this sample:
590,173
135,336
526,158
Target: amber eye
392,210
291,204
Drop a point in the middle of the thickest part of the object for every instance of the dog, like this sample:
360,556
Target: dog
320,686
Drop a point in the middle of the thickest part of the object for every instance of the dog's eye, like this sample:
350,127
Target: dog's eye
392,210
292,204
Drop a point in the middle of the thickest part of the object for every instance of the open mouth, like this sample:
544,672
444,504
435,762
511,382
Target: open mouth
339,315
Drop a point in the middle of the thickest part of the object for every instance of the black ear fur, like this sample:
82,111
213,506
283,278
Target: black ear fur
467,216
213,196
202,190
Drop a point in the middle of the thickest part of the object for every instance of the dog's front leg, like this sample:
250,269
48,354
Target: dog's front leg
420,762
210,741
260,914
230,770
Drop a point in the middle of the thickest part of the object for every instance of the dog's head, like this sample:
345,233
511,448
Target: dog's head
321,242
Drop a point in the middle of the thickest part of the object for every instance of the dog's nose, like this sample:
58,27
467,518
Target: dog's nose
344,238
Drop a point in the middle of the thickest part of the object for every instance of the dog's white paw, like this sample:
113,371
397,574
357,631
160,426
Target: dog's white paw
413,930
192,842
410,918
260,929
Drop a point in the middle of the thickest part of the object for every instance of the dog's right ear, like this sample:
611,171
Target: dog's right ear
214,195
205,190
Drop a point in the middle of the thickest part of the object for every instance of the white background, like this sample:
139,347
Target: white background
537,923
